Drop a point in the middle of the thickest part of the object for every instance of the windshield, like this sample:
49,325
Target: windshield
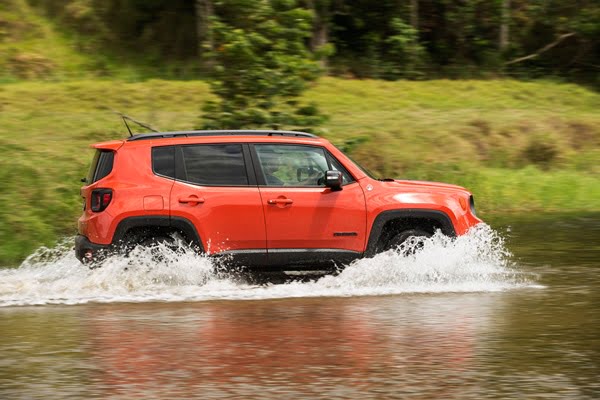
363,169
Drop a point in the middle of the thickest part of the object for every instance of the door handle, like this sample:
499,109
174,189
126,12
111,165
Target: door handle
191,199
280,201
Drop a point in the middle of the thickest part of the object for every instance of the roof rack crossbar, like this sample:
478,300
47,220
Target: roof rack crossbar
159,135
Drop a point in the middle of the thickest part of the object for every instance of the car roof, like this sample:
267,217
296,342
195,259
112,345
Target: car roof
232,132
212,137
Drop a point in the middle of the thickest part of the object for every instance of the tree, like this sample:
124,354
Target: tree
503,40
204,15
261,66
414,14
558,38
404,54
319,41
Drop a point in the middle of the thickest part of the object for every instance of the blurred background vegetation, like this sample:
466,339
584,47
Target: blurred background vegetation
499,96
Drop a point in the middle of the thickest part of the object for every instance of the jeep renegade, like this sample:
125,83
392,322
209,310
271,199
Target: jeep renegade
268,199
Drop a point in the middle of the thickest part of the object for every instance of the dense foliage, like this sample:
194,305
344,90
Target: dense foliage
387,39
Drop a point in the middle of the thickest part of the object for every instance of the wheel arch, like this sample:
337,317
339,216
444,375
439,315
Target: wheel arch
157,224
390,222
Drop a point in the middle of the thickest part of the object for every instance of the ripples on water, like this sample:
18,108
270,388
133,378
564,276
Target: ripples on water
476,262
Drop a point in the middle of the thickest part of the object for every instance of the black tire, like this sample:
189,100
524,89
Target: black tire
409,241
156,240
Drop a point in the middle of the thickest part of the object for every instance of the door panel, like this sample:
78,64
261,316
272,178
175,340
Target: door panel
315,218
300,212
227,218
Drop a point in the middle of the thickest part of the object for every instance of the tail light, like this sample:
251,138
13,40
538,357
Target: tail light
101,198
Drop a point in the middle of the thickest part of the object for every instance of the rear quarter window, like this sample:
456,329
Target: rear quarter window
163,161
102,165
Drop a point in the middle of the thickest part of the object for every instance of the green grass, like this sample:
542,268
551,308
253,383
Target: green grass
31,47
473,133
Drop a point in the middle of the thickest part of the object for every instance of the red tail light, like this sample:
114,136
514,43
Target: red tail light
101,198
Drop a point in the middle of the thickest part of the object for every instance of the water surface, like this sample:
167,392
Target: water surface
462,319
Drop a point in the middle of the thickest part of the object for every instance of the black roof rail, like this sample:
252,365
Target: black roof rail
160,135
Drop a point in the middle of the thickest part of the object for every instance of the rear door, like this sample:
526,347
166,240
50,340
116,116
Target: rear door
216,189
304,219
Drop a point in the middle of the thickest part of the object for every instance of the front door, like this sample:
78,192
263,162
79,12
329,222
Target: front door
304,219
216,190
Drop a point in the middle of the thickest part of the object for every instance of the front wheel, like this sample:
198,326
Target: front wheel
409,242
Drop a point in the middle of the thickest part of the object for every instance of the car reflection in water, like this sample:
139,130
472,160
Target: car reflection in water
415,344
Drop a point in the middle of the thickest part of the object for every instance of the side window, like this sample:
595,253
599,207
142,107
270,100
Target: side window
335,165
215,164
102,165
292,165
163,161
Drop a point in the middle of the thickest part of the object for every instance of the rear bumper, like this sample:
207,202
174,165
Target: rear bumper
88,252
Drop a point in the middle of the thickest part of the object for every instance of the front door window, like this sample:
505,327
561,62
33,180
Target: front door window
291,165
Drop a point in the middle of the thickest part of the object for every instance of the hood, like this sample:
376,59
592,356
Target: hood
426,184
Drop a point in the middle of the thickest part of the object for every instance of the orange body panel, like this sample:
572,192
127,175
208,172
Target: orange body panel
314,217
131,180
229,218
397,195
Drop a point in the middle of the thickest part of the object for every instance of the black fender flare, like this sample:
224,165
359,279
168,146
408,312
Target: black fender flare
384,217
178,223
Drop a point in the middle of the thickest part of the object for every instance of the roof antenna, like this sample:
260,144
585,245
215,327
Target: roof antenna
135,121
127,125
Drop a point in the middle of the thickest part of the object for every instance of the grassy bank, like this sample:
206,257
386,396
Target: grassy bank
519,146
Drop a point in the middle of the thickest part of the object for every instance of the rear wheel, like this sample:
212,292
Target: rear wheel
409,241
156,245
154,241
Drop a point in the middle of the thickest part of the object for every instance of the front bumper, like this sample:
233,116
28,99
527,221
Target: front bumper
88,252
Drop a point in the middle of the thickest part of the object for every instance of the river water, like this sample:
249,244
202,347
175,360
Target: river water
462,319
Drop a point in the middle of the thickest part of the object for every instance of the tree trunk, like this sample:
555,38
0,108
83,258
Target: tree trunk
414,14
320,36
204,12
504,39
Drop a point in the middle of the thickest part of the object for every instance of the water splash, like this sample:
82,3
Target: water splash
477,261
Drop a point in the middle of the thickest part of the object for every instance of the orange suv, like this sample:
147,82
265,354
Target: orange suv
268,199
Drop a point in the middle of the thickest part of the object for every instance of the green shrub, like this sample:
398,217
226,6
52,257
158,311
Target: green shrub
540,152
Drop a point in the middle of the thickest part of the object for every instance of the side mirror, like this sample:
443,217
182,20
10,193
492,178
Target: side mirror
334,180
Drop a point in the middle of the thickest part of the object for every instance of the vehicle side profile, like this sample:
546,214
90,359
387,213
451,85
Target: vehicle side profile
266,199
